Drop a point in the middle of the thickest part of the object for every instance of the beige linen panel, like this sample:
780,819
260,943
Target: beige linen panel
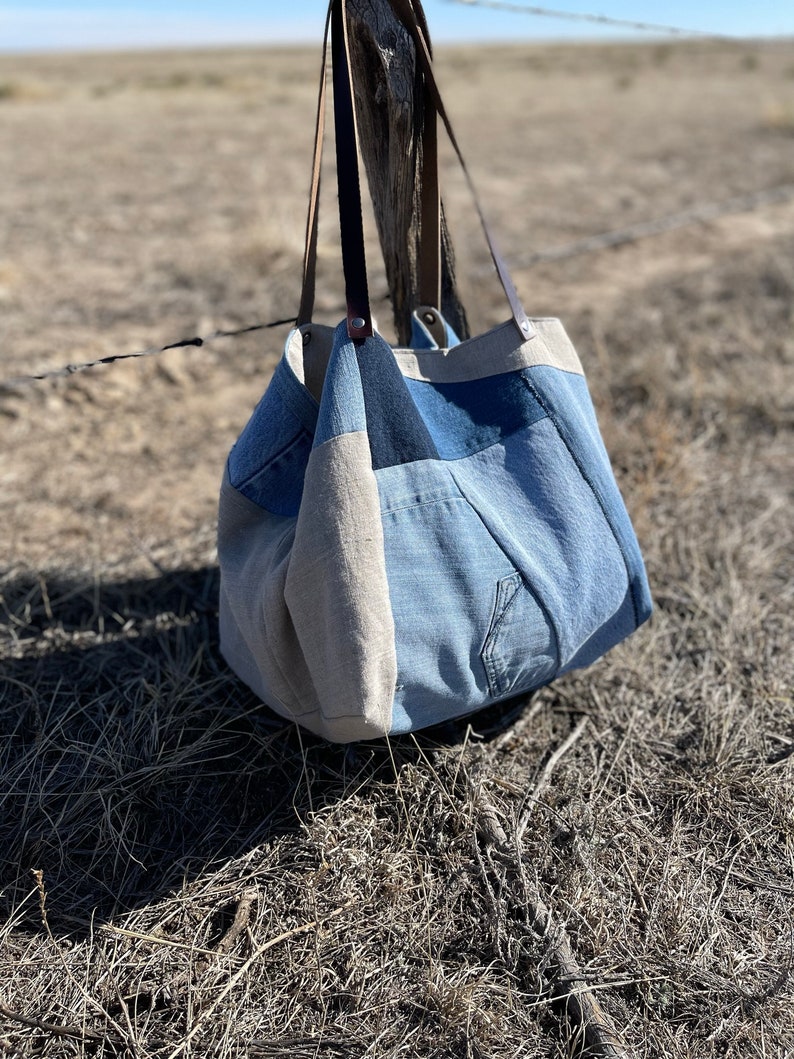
313,601
497,351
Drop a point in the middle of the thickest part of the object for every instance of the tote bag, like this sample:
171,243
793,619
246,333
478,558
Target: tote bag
409,535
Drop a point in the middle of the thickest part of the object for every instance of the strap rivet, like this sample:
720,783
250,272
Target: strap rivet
307,337
358,323
525,327
430,318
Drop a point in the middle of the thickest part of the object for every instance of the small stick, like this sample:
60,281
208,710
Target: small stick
51,1027
543,779
271,943
248,899
241,917
594,1026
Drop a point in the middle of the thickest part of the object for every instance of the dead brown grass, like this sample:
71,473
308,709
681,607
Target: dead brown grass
185,875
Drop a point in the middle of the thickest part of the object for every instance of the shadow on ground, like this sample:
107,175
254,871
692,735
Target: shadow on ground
132,758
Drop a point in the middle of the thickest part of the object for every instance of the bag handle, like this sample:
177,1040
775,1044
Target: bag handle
403,10
429,265
354,261
306,307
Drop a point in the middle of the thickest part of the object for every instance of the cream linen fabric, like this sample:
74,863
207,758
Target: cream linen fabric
493,353
306,618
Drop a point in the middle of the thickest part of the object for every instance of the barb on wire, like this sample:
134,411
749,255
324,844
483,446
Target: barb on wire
74,369
583,16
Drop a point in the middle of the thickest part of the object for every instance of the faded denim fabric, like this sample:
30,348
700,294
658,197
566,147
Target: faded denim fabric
268,462
499,553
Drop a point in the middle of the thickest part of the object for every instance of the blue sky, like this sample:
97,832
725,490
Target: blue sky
47,24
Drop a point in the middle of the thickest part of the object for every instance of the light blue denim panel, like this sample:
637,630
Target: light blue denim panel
617,628
536,504
342,406
567,400
468,630
268,462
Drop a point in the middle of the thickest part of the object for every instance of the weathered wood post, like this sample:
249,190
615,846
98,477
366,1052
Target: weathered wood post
390,111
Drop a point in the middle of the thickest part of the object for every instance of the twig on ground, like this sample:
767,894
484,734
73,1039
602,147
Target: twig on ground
271,943
561,969
543,779
242,915
77,1033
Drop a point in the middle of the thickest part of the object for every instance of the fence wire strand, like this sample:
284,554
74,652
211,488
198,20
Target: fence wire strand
585,16
590,244
708,211
152,351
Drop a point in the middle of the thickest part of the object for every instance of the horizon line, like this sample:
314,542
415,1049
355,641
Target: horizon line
444,42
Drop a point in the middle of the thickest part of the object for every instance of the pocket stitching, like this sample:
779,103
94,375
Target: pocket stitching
501,607
300,438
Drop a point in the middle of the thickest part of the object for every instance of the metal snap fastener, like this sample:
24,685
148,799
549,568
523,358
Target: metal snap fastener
307,337
358,323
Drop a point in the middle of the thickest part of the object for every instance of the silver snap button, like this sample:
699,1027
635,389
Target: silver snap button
307,337
358,323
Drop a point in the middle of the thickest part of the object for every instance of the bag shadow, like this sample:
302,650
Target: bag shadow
133,759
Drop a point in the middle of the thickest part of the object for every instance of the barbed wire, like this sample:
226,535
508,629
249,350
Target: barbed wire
152,351
590,244
585,16
708,211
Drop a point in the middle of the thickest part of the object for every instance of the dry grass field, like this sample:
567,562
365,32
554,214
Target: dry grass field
184,875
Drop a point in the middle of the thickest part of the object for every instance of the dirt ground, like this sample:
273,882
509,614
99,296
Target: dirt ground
182,873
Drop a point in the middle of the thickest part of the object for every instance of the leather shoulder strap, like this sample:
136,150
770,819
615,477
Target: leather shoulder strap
403,9
410,13
429,265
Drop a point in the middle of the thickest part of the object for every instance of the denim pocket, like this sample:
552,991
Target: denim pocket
520,650
540,509
277,486
468,628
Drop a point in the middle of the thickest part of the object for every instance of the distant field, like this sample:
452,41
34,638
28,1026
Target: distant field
179,828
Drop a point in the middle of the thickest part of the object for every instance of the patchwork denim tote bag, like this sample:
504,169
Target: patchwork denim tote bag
409,535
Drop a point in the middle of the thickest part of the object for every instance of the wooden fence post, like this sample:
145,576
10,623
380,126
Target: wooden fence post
389,108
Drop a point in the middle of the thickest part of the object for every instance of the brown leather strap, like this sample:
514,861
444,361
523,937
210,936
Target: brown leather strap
411,15
429,265
404,11
306,308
